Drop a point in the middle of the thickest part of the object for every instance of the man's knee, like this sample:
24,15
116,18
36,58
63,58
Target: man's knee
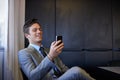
76,73
78,70
81,73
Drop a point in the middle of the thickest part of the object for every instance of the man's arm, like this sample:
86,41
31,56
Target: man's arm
61,65
58,62
30,69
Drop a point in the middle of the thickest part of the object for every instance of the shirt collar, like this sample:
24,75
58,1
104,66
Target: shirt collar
36,46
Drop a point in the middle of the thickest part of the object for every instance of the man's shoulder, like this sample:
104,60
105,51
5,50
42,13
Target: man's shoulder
24,49
27,50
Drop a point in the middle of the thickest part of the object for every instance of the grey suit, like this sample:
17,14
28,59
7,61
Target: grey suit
36,67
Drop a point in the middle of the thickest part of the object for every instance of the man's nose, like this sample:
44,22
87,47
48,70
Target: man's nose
38,31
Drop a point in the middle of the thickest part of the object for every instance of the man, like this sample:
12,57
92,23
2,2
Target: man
47,66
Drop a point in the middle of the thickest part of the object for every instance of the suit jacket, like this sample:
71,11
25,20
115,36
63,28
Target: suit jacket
35,67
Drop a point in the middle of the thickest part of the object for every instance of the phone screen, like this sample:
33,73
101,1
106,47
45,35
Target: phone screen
59,38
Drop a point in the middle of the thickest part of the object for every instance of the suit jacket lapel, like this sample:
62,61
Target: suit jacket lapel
37,58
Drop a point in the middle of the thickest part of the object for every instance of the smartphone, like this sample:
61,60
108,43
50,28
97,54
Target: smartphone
59,38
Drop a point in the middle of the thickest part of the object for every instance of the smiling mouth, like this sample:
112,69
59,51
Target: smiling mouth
38,35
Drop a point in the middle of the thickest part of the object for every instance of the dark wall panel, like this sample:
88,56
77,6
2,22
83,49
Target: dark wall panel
98,58
70,22
116,23
73,58
97,24
116,28
116,56
84,23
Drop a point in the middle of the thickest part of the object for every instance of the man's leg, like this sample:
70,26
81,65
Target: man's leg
75,73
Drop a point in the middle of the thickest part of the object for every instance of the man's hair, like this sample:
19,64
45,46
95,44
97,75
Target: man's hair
28,24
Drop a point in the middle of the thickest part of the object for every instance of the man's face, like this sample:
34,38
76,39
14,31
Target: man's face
35,34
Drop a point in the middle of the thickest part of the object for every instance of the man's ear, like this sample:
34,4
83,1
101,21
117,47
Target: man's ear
27,35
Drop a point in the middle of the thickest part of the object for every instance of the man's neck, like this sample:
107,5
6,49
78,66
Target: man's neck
39,43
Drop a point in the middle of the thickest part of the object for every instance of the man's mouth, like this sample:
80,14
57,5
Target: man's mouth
38,35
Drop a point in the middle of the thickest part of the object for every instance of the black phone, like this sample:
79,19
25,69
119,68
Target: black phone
59,38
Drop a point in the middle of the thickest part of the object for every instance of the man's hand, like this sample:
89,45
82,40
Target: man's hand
55,49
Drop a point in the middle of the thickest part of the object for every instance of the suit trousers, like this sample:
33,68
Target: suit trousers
75,73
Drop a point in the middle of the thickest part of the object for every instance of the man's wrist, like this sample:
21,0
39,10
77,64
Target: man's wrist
50,57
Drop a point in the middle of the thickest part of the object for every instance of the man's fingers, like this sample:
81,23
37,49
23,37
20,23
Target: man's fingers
60,48
53,43
57,47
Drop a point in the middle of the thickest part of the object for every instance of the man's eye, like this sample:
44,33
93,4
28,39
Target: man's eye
40,29
34,30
